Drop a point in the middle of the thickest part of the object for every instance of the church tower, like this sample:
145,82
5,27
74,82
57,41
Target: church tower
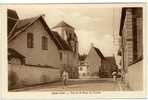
67,32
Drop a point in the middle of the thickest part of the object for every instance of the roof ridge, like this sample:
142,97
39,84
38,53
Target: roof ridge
25,19
37,17
62,24
98,52
33,17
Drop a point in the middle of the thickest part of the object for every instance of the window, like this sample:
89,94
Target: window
29,40
83,74
81,68
60,55
44,43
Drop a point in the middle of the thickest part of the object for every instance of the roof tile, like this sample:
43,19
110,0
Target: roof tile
63,43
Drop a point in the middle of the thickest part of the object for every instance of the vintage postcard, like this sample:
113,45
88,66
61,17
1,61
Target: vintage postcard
74,50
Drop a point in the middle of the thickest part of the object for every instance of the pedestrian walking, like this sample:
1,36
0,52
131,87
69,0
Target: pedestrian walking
65,77
119,74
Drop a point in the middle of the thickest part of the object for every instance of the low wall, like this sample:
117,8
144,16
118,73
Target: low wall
28,75
135,76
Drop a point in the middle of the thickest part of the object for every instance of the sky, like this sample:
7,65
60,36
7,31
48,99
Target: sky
93,24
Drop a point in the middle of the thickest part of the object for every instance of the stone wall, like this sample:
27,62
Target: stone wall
29,75
135,76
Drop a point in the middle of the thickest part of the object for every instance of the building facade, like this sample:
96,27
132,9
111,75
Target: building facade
83,70
32,48
93,61
31,38
70,59
131,45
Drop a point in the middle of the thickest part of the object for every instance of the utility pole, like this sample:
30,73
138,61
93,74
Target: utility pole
114,34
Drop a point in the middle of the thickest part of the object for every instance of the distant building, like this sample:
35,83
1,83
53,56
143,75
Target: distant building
83,71
98,66
94,61
83,67
70,58
107,67
131,45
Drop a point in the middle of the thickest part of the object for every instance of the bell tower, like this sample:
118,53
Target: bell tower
67,33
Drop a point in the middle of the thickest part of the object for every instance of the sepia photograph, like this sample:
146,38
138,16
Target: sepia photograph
77,47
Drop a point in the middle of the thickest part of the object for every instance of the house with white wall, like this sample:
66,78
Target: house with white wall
32,40
83,71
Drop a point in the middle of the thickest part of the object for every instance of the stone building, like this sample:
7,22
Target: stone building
131,45
32,48
83,67
32,38
97,65
70,59
93,61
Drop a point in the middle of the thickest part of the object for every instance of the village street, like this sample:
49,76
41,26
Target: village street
52,52
79,85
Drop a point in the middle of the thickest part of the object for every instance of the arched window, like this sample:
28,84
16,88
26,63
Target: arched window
29,40
44,43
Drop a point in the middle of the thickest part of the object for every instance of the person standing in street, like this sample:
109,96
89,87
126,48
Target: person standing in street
114,74
65,77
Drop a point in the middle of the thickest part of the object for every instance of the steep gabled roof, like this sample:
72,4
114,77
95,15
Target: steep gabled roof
62,24
22,25
99,52
62,42
14,53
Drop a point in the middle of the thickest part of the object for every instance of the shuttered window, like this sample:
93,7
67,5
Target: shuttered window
44,43
29,40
